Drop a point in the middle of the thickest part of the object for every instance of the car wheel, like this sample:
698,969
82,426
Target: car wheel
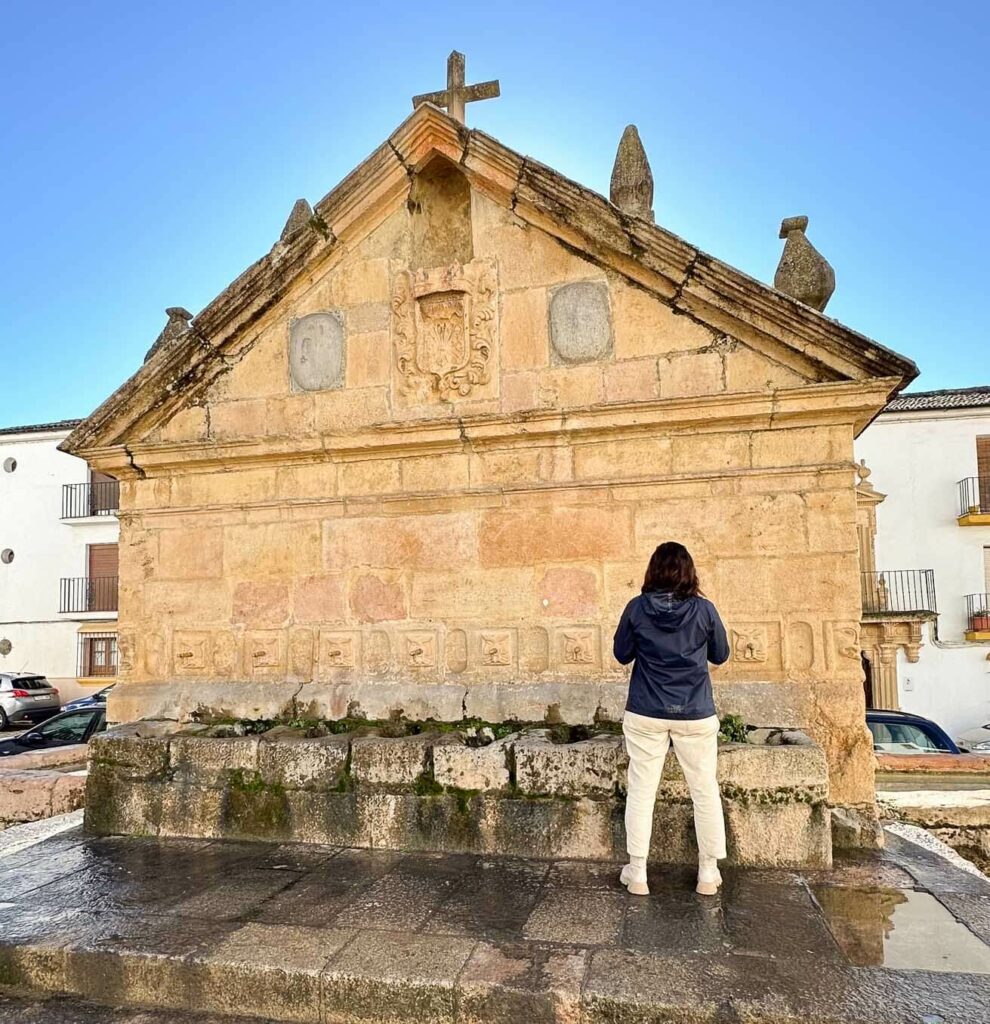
4,721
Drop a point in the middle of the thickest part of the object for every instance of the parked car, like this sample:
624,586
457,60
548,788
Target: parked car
26,697
975,741
91,700
68,727
898,732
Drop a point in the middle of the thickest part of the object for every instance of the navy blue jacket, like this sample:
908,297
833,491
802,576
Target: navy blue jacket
672,640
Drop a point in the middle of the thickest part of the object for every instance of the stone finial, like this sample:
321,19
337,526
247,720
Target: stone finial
863,474
803,272
631,189
177,326
301,215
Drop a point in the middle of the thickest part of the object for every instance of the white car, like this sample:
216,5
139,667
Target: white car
975,741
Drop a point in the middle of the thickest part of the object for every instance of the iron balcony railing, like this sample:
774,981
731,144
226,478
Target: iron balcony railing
82,500
88,594
978,613
909,591
974,495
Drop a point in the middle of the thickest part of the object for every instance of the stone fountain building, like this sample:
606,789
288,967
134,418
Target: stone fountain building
416,457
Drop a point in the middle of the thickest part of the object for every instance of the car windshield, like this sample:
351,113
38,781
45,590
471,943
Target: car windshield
905,738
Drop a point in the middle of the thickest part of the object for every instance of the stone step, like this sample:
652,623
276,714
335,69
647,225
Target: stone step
330,977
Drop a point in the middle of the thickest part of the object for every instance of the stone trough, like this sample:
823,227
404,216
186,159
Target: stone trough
521,795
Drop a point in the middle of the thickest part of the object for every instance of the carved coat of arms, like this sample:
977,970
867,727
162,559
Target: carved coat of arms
445,330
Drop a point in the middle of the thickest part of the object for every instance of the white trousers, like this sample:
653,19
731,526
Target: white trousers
696,747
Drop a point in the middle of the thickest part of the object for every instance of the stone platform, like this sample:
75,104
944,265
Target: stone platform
323,934
536,792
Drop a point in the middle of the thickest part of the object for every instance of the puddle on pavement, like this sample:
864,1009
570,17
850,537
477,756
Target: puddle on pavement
900,928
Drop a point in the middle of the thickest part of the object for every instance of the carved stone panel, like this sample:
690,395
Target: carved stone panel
577,647
580,322
445,333
264,653
338,650
495,648
419,650
317,351
192,652
754,648
749,644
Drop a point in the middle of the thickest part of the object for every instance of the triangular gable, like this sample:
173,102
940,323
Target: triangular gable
198,352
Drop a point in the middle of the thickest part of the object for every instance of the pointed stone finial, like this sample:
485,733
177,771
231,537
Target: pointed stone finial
632,180
803,272
177,326
302,214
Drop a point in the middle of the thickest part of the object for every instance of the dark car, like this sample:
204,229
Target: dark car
91,700
898,732
68,727
26,697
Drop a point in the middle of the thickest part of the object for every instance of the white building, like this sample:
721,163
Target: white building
58,562
927,637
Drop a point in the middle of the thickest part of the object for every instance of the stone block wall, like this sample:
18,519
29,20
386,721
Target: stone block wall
524,795
307,535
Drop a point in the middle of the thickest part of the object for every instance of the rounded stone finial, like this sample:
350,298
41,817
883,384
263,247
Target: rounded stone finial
803,273
631,188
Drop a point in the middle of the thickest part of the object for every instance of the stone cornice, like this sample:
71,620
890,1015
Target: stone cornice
844,402
696,284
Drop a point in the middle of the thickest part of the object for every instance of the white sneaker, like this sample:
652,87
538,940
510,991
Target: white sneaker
709,878
634,879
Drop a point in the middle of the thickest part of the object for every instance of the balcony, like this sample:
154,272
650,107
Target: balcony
88,594
899,592
81,501
974,501
978,616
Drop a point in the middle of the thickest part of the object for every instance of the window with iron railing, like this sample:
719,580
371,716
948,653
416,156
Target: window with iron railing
978,613
96,655
79,501
898,591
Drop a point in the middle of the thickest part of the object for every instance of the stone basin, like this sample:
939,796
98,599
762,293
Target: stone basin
521,795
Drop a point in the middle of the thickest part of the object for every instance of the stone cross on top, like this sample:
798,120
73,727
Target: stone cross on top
457,94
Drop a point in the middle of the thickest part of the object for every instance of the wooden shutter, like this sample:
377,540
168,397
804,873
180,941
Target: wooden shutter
102,583
983,471
102,560
983,456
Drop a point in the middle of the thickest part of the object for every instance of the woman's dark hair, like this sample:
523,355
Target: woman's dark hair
672,568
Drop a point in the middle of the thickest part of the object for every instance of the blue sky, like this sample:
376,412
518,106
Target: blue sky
150,152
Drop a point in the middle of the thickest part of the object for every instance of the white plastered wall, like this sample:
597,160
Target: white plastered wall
45,549
917,459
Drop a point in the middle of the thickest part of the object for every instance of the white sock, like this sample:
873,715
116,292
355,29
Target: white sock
638,862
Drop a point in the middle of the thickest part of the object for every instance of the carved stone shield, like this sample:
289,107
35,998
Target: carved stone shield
444,330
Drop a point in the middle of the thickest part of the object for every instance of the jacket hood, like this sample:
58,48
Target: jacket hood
667,611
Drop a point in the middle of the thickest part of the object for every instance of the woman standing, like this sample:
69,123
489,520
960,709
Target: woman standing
671,632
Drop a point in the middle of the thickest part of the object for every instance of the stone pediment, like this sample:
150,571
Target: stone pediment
445,306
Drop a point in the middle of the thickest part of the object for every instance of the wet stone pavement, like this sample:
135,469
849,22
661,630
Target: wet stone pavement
308,933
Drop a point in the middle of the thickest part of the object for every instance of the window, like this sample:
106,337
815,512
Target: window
101,583
905,738
70,728
983,471
97,655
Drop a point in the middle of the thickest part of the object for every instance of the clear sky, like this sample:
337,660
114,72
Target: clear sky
150,152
